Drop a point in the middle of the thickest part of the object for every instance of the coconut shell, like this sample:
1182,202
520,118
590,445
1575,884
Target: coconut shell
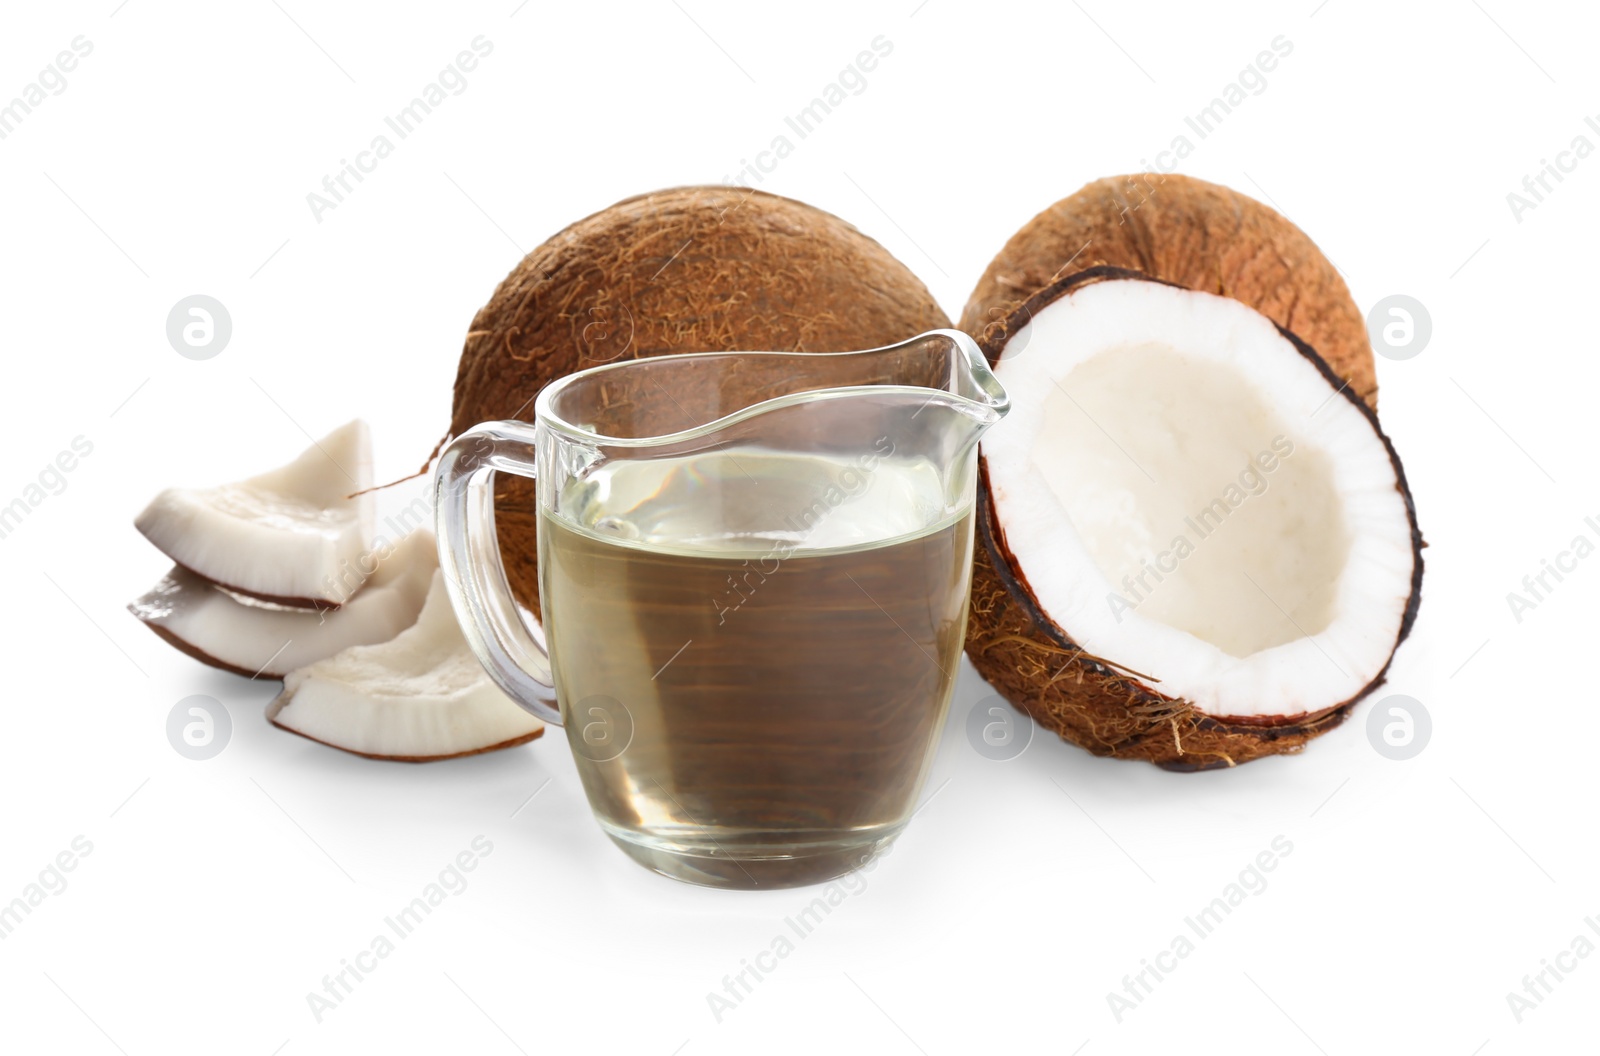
1087,699
1195,234
692,269
1088,702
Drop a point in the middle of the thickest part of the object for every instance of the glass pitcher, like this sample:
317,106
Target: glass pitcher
753,578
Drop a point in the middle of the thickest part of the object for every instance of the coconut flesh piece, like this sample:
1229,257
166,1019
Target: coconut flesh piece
421,696
1188,494
285,536
261,640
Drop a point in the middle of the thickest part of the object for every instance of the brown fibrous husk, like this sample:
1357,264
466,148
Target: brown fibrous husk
691,269
1198,235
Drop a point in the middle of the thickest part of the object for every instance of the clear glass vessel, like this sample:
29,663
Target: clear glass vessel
753,574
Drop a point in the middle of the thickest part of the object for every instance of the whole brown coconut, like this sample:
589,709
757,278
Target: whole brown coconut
691,269
1198,235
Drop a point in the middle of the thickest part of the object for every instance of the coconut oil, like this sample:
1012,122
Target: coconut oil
755,652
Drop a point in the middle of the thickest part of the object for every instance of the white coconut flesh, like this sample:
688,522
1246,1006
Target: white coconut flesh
287,535
264,640
1190,498
422,695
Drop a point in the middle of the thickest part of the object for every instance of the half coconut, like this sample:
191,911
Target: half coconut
288,536
1198,546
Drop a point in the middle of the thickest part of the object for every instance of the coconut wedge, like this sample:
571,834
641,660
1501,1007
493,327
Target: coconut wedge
1197,545
261,640
419,697
287,536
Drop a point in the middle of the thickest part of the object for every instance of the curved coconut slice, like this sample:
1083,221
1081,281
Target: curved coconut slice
285,536
261,640
421,696
1191,508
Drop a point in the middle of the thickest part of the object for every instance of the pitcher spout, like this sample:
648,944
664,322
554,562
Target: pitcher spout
949,363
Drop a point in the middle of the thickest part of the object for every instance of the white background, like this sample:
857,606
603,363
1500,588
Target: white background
218,894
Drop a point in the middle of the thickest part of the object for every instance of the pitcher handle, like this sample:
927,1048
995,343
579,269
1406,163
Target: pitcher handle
474,572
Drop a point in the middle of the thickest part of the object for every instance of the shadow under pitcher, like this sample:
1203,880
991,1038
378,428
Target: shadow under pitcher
753,572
